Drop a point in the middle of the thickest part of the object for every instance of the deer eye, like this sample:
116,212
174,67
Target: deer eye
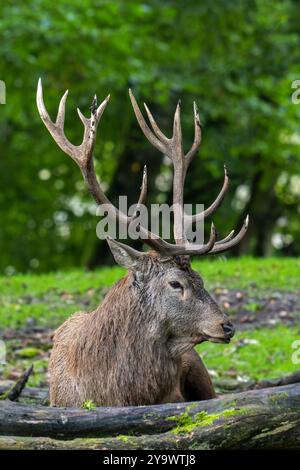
176,285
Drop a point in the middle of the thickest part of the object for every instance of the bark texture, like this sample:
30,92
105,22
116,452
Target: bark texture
263,418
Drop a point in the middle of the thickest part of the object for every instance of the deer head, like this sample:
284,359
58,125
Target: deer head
162,279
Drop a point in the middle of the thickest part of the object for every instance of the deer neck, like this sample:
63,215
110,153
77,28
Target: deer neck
129,316
127,326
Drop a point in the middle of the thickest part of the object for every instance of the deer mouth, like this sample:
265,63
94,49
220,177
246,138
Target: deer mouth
228,333
213,339
216,339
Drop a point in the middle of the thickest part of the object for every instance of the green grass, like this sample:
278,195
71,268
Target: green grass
75,281
266,273
50,298
279,273
268,354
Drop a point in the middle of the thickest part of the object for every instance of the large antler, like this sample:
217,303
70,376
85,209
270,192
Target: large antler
83,156
173,149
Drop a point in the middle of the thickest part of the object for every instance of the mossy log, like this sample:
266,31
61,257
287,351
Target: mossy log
267,418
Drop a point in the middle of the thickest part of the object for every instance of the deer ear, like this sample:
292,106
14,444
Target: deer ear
124,255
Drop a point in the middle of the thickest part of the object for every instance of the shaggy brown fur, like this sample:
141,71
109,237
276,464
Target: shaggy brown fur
128,352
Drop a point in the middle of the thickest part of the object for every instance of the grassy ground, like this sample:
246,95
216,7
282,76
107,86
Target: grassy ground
50,298
260,295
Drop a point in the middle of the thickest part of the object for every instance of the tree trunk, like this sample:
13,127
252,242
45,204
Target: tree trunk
266,418
263,209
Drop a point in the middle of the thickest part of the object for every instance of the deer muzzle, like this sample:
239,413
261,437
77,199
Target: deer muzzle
222,332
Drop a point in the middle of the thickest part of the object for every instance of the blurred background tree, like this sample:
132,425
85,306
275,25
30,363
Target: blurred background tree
236,59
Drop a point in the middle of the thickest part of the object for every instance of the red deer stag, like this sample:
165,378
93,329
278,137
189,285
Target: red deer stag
136,348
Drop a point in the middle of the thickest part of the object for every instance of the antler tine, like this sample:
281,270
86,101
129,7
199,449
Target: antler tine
55,129
224,244
144,187
226,239
165,140
82,153
144,126
176,151
90,129
217,202
193,249
169,249
197,135
60,119
161,136
143,193
83,119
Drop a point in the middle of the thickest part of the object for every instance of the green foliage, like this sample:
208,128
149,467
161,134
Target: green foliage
237,59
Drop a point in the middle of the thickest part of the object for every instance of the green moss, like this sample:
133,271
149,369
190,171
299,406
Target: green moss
88,405
26,353
5,394
123,438
187,423
149,415
232,403
277,397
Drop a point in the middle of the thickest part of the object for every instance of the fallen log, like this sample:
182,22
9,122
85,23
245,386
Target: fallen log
267,418
235,385
272,423
284,380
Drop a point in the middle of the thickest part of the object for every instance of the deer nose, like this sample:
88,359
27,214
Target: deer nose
228,329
